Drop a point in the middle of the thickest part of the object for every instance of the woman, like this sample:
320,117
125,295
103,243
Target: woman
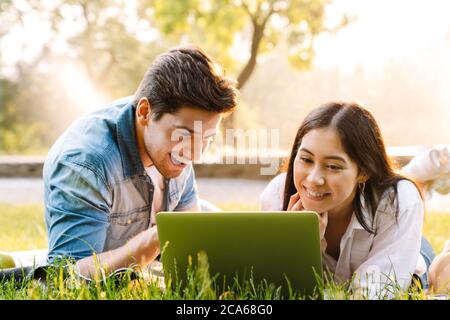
370,217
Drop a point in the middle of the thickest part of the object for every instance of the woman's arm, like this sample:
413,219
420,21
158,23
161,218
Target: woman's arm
393,255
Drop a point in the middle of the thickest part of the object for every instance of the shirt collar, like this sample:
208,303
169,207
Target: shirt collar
127,142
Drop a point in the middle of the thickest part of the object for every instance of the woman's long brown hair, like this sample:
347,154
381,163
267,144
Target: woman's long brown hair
363,143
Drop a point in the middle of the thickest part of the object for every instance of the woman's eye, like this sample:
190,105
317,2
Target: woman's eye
305,160
333,167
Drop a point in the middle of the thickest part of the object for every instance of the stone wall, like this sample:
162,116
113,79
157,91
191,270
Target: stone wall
31,166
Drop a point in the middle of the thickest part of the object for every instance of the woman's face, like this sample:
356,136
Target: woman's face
324,176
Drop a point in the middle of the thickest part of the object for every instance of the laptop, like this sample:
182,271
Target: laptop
274,246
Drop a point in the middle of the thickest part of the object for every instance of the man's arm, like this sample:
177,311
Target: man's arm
139,250
77,209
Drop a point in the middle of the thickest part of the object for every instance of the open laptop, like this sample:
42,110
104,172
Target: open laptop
269,245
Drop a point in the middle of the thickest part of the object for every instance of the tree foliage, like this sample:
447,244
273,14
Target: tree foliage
104,38
216,24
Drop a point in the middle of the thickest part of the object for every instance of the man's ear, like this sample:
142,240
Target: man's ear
143,111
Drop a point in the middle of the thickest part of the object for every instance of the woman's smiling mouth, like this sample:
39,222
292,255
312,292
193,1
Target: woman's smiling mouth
315,196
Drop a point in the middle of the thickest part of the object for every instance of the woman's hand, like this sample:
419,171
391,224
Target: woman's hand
323,221
295,204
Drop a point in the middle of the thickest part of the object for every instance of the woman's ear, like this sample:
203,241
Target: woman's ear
363,177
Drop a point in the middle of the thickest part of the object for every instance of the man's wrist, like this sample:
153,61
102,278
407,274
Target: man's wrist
148,245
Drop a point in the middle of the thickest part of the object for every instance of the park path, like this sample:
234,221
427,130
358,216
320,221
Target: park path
215,190
31,190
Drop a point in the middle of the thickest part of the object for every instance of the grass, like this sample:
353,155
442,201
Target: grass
436,229
62,283
22,228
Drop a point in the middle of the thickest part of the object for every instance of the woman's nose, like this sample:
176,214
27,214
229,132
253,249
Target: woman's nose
316,176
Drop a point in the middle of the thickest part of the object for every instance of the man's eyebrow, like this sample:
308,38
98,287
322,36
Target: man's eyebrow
185,128
193,132
328,158
211,135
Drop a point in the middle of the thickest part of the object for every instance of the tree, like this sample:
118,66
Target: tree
99,40
215,24
103,39
108,47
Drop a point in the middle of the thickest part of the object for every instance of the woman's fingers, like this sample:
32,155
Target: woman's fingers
295,203
323,221
293,200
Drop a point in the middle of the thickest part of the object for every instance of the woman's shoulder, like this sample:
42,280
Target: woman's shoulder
272,196
279,179
407,196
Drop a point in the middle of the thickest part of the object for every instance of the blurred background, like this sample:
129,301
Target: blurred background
60,59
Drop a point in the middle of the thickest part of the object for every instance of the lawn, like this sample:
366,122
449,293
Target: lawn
22,228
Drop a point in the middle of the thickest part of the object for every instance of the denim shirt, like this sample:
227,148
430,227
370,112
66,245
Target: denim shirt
97,193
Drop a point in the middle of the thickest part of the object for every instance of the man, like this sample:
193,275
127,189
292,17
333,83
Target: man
109,174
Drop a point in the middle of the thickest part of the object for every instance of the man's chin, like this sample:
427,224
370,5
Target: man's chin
171,173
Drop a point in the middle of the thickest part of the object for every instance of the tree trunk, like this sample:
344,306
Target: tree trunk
244,75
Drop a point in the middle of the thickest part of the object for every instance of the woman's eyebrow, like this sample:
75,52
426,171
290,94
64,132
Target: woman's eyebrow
332,157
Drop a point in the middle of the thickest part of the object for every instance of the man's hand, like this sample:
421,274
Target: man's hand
140,250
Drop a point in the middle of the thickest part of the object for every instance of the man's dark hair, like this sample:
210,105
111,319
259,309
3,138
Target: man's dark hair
186,76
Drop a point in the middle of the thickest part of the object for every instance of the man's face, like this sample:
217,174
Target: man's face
175,140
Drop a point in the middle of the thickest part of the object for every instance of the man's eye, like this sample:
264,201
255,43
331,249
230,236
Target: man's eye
182,134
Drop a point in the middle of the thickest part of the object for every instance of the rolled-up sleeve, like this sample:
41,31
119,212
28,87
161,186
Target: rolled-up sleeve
76,210
393,256
189,197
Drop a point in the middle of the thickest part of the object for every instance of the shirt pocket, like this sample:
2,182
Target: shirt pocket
124,226
361,245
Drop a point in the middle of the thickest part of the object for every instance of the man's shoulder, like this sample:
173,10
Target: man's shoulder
91,141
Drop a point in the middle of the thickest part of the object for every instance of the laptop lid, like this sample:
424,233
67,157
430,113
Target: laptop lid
270,245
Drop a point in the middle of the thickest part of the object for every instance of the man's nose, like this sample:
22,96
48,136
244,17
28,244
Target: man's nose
193,151
197,149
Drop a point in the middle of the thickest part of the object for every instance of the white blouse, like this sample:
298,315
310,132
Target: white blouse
373,261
